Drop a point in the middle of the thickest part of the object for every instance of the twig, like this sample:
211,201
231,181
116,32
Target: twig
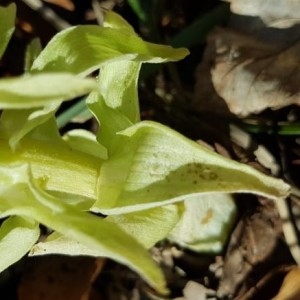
48,14
245,140
289,230
264,281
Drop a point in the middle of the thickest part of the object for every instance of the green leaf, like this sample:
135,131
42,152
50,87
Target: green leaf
77,201
51,160
19,195
84,49
114,20
110,120
121,94
32,52
42,89
7,25
17,236
57,243
149,226
52,156
154,165
206,222
116,107
84,141
28,119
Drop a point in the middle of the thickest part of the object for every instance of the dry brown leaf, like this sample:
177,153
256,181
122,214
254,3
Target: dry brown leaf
251,75
275,13
290,289
251,243
254,64
60,278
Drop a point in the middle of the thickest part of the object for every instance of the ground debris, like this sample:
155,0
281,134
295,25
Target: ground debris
59,277
255,247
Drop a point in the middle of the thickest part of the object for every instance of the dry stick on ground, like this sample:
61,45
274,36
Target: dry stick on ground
48,14
289,230
244,140
264,281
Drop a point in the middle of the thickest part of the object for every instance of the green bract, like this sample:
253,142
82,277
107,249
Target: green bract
18,234
68,50
141,174
53,88
151,158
